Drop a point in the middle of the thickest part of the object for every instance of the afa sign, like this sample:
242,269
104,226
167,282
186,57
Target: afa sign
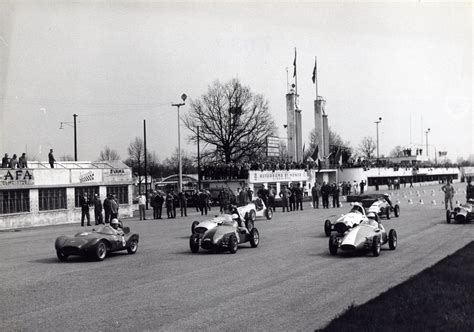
16,177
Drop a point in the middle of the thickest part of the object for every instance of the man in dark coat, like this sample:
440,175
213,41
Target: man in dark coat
203,199
183,204
159,200
51,158
292,198
107,209
335,191
299,197
315,191
84,202
114,207
5,161
97,210
325,195
169,205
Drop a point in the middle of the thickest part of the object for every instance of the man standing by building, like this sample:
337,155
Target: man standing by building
97,210
51,158
335,195
183,204
141,206
84,202
285,193
448,190
325,195
315,191
362,186
292,198
271,198
107,208
114,207
5,161
22,161
299,197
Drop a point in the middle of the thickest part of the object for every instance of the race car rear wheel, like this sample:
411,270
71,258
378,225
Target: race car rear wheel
376,246
327,227
194,243
387,212
193,226
392,239
254,238
100,251
269,213
333,245
448,216
397,211
233,244
253,215
61,256
132,247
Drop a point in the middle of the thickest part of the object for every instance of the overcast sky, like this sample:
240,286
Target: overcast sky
115,64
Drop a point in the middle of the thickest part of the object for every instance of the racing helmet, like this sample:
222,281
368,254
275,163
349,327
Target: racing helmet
114,223
357,207
371,215
235,216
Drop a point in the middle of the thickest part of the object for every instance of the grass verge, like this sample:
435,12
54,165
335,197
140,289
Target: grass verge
440,298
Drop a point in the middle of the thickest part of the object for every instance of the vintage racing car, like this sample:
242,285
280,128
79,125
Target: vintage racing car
377,203
255,209
369,235
96,243
355,216
462,213
225,235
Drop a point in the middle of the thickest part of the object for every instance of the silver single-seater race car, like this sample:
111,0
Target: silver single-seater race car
355,216
225,235
462,213
369,235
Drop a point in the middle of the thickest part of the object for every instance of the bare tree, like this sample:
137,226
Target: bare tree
187,162
397,151
136,155
108,154
232,119
367,147
335,141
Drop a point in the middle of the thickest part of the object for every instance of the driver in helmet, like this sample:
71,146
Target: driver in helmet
372,219
387,198
240,222
357,207
117,227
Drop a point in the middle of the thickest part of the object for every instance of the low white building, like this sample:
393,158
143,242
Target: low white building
40,195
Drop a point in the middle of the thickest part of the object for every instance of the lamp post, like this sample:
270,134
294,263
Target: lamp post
199,161
72,124
377,125
180,168
426,132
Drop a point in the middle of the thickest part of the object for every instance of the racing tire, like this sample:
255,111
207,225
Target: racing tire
132,247
194,243
268,214
396,211
253,215
376,246
254,238
392,239
387,213
327,227
333,245
193,226
233,244
100,251
448,216
61,256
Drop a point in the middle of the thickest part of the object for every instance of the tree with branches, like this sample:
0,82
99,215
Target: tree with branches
232,119
335,141
367,147
108,154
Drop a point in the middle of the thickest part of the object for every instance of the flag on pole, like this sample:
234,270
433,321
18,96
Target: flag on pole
294,65
315,71
315,155
319,165
338,157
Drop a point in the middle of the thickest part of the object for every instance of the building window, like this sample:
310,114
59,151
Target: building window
79,192
120,191
14,201
52,199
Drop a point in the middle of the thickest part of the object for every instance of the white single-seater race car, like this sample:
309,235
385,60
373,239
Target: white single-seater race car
255,209
462,213
369,235
355,216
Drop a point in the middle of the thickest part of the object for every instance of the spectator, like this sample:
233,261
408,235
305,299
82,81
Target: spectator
285,194
271,198
183,204
84,202
5,161
159,200
469,190
362,186
335,195
299,197
22,163
14,162
315,191
169,205
51,158
97,210
325,190
142,206
114,207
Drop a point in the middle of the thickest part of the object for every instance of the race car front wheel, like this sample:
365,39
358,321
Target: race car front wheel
269,214
253,215
333,245
100,251
397,211
194,243
254,237
392,239
61,256
132,247
193,226
376,246
233,244
448,216
327,227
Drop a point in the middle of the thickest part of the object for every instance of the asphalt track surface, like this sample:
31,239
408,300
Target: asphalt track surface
290,282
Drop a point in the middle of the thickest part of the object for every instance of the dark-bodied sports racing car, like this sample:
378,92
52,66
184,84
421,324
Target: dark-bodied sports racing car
380,204
97,243
462,213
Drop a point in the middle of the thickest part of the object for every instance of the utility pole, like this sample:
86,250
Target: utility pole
180,166
75,138
146,177
199,161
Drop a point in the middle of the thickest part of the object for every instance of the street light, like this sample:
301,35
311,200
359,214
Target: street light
377,124
180,168
426,132
72,124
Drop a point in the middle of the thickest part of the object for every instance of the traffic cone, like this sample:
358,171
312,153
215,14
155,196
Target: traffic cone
433,202
404,196
421,202
398,201
424,191
410,201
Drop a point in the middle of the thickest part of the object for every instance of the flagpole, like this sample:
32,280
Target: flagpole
296,83
287,84
316,75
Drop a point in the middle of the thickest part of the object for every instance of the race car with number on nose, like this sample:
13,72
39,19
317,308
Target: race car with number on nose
97,243
369,235
355,216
